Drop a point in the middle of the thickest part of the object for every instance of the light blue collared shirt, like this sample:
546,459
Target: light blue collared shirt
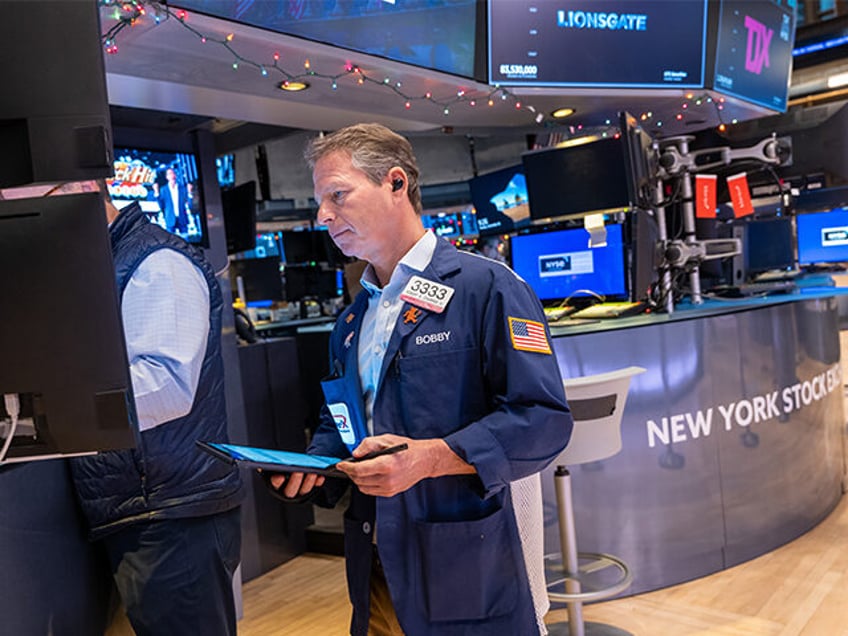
165,311
380,318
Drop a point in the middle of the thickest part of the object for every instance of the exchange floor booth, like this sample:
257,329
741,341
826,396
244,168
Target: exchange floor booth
732,438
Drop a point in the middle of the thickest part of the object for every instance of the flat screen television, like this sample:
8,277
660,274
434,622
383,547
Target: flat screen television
500,201
560,265
603,43
822,237
239,208
62,339
754,51
167,187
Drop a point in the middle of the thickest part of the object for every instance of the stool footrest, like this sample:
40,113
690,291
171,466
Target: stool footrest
591,581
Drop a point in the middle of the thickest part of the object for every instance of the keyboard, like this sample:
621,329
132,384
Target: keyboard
768,287
552,314
777,275
611,310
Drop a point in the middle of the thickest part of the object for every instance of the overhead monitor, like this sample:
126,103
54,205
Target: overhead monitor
62,339
560,265
754,50
500,201
433,34
603,43
823,237
166,184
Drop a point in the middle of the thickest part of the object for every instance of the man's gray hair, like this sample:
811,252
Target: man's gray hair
372,148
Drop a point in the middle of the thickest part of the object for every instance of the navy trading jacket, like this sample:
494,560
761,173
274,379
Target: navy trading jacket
481,376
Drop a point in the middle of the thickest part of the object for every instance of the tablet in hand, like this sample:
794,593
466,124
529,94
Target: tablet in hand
273,460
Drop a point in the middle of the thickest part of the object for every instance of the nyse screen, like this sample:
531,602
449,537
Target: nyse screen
754,50
603,43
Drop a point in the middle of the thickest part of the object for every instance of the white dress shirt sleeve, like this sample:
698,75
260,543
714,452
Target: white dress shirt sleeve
165,310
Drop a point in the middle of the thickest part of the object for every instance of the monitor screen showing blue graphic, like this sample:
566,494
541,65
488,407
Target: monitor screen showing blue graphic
602,43
823,237
560,264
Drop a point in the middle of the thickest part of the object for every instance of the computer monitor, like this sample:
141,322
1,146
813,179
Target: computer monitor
56,127
592,174
451,222
166,184
560,265
310,246
260,277
823,237
500,201
267,244
313,281
239,208
62,341
767,245
225,168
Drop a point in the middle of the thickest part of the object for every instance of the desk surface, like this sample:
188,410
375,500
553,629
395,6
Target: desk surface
286,325
688,311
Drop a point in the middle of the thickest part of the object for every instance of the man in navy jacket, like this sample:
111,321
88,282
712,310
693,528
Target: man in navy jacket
449,353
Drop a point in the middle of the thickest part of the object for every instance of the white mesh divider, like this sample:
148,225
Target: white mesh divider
527,505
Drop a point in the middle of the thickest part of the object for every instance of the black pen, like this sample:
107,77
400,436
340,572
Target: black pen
389,450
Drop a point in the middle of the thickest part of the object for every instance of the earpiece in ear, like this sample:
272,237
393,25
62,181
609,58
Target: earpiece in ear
397,184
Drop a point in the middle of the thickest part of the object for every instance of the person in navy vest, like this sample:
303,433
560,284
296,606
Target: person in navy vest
167,513
448,353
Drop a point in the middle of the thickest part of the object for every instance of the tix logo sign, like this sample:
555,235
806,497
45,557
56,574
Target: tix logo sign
759,41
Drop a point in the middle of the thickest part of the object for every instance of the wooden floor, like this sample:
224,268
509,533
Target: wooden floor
799,589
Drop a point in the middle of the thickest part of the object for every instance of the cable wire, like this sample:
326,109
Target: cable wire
13,408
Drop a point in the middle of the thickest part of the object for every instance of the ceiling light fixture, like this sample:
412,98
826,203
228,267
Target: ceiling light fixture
837,80
559,113
294,86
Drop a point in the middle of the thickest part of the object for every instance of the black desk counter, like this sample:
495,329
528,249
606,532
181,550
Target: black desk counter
732,439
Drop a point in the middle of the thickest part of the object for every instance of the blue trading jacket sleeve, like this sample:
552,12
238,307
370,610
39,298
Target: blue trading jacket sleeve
530,423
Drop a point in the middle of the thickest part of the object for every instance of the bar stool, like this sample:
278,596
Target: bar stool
597,403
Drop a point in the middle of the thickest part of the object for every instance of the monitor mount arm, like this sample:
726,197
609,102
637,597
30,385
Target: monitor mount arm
677,161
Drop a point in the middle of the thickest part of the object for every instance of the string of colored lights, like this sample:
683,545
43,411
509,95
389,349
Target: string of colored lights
129,12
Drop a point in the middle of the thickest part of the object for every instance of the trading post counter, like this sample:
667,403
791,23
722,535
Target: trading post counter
732,438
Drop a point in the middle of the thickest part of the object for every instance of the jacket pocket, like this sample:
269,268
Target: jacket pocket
469,568
441,392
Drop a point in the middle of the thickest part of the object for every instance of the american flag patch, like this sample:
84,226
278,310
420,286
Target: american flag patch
528,335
